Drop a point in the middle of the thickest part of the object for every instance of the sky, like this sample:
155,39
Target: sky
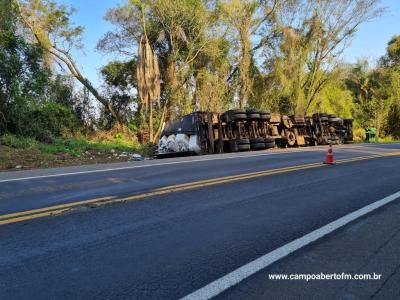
369,42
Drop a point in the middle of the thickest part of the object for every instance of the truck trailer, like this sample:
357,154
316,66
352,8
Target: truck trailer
250,129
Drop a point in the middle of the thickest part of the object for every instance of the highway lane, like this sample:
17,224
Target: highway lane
171,245
44,188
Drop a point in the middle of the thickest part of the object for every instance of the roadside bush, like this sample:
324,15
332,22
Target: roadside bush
50,121
386,139
18,142
359,135
393,124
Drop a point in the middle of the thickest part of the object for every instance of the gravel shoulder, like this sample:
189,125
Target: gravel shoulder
23,159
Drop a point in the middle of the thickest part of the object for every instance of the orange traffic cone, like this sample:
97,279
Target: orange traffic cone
329,156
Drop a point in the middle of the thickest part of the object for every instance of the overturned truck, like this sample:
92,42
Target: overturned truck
251,129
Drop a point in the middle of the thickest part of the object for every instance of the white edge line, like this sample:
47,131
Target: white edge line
229,280
152,165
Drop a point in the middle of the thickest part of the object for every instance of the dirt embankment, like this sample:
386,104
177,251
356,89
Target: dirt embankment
20,159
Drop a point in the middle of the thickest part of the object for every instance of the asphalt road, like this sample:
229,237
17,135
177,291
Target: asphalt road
166,246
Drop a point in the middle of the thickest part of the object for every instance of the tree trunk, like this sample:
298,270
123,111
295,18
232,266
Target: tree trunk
161,125
85,82
244,67
151,135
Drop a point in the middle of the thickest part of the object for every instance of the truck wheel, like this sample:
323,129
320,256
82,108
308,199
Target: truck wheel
252,111
257,140
239,117
253,116
299,119
233,146
238,111
244,147
265,116
324,119
223,118
291,139
335,120
258,146
270,145
269,140
242,141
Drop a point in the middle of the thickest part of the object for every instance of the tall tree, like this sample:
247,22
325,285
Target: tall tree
245,17
51,27
179,33
313,34
392,56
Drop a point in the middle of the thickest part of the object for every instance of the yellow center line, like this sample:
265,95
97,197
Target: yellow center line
55,207
58,209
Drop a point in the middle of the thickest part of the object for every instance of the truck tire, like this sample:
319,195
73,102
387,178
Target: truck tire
269,140
223,118
317,116
253,116
233,146
270,145
244,147
265,116
242,141
239,117
257,146
257,140
299,119
335,120
238,111
252,111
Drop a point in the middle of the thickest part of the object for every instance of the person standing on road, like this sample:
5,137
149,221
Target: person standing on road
366,135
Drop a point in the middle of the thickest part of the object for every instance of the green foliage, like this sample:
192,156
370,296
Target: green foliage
388,139
49,121
23,78
28,93
392,56
393,121
358,133
18,142
120,79
335,99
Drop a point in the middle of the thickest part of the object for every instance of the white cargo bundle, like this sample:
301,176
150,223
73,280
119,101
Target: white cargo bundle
162,145
182,140
172,145
193,146
178,143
